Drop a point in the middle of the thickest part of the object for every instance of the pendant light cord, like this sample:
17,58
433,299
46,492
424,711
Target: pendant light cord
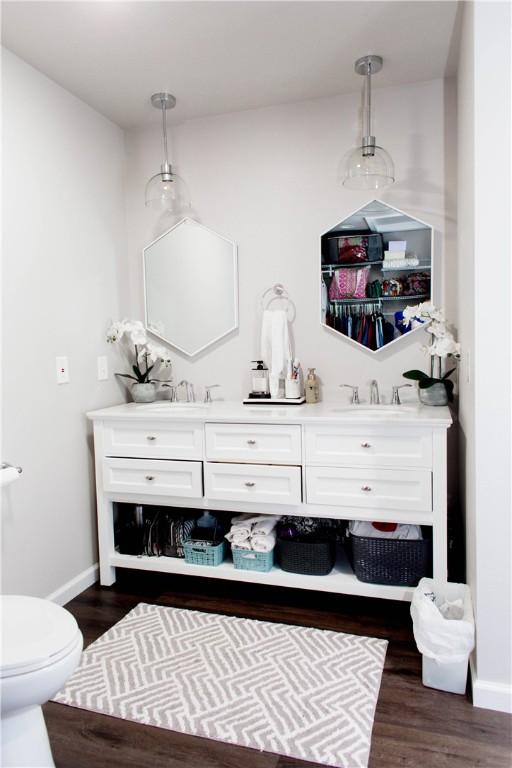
368,99
164,132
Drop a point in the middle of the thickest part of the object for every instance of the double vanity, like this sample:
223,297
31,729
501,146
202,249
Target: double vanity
377,463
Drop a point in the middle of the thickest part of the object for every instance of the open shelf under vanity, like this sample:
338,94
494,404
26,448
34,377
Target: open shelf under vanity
341,579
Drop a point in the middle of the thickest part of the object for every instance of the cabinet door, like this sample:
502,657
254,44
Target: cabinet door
368,447
251,482
280,444
152,440
159,478
370,488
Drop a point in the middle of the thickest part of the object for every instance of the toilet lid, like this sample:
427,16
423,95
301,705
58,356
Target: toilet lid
35,633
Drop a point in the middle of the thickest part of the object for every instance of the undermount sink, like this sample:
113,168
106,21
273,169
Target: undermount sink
379,411
165,406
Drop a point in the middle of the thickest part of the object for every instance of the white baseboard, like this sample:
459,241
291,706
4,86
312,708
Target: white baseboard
76,585
487,695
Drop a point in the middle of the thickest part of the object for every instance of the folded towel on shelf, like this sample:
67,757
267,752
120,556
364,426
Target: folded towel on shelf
263,542
394,255
390,264
265,524
401,531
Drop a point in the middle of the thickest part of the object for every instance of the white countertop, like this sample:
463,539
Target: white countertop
329,412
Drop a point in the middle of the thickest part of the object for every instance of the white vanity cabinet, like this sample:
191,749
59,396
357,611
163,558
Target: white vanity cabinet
311,461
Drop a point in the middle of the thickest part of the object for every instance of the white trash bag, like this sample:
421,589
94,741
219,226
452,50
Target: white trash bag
443,624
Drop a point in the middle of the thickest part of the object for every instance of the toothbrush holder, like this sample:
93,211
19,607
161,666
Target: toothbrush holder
292,389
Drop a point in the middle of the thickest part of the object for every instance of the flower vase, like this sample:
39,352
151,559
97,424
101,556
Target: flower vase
144,393
434,395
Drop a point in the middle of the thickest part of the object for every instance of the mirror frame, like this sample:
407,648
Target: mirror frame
235,289
433,284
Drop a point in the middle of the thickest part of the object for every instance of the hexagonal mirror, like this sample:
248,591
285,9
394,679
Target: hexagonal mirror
191,287
375,262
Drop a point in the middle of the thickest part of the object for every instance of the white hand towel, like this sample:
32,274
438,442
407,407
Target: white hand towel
275,346
265,525
263,542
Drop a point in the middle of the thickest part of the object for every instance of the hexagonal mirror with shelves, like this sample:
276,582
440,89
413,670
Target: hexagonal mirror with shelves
190,287
374,263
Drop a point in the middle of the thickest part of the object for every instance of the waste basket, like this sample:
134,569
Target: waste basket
444,630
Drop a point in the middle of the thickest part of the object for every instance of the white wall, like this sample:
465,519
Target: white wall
484,199
63,245
267,179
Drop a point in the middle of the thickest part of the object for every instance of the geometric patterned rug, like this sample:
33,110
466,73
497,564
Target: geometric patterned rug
296,691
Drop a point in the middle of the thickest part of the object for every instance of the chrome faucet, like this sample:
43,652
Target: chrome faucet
189,389
355,393
374,392
173,387
207,392
395,397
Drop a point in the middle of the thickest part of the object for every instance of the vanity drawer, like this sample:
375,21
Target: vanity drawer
368,447
161,478
153,441
254,443
252,482
370,488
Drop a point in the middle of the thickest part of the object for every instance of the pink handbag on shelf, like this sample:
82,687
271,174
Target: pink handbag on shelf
349,283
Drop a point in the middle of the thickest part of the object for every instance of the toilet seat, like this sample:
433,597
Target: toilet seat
35,634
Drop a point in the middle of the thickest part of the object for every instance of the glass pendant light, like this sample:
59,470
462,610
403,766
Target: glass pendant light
368,166
166,190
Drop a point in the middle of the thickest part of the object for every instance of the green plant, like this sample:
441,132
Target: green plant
425,381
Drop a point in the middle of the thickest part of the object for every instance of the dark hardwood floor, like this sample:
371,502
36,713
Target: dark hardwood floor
414,726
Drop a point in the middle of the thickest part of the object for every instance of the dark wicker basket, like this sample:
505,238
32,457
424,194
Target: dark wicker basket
307,555
398,562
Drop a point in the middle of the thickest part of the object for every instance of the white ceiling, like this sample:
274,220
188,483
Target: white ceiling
224,56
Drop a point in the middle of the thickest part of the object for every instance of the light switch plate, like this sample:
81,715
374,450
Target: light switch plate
102,368
62,367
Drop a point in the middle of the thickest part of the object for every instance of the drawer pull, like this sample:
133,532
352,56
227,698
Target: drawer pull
150,437
366,445
250,485
365,488
251,442
150,477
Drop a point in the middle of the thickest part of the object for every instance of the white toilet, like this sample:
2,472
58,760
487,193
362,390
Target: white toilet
41,647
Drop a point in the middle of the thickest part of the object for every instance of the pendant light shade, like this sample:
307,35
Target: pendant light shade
368,166
166,190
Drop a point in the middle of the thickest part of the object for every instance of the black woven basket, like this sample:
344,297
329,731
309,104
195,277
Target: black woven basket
314,557
398,562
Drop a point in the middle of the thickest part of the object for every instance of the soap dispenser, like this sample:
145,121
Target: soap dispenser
312,387
259,380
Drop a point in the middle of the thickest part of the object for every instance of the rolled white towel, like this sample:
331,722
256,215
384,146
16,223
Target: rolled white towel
243,545
237,535
240,538
242,530
244,523
237,519
265,524
263,542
